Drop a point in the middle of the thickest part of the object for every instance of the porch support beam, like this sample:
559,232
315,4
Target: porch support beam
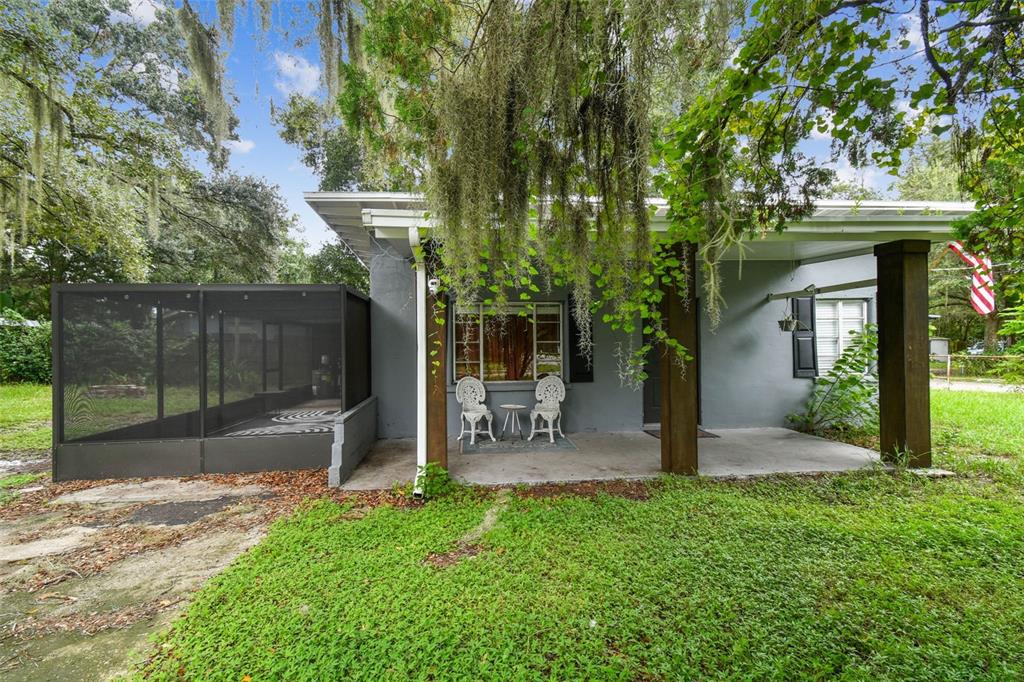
679,376
437,383
903,395
421,359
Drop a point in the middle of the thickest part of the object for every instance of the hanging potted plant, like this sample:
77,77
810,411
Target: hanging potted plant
788,323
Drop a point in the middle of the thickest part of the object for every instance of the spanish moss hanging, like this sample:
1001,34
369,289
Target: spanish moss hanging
206,65
535,122
226,19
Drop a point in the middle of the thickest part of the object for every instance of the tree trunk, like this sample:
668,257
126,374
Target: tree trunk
991,330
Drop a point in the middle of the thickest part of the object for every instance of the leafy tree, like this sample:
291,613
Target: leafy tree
498,103
931,173
334,262
493,104
101,119
293,262
851,191
855,70
24,349
235,238
327,148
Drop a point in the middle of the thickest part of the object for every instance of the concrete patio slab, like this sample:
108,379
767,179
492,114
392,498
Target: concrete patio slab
619,455
61,540
756,452
158,490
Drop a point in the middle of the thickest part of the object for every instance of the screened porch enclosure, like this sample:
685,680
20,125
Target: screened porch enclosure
191,379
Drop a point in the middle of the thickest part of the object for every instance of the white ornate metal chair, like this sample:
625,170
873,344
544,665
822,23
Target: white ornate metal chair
470,393
550,394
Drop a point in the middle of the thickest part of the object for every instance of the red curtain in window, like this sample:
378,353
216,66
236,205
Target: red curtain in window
508,349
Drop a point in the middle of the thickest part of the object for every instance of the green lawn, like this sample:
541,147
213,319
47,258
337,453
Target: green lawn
24,418
860,576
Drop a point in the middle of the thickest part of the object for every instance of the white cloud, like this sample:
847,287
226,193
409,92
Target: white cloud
140,12
735,56
295,74
167,75
241,146
905,107
869,176
826,117
913,35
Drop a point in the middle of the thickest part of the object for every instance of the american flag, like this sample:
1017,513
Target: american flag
983,295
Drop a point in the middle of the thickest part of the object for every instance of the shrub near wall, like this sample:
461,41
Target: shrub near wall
24,350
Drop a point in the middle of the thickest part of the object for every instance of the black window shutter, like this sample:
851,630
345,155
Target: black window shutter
581,368
805,350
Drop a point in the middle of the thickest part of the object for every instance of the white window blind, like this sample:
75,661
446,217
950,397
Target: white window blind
834,320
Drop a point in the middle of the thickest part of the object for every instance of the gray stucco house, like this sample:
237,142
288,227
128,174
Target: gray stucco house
827,270
185,379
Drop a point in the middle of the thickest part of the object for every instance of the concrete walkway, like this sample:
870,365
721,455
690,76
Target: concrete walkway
86,579
975,385
619,455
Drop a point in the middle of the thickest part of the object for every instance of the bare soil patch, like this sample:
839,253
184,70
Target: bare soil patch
446,559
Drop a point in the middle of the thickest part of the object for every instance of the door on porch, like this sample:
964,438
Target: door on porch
652,385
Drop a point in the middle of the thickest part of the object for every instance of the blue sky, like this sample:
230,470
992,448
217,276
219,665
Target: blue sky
260,70
267,68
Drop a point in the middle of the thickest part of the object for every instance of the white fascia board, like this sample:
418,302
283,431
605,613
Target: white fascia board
409,200
389,215
395,224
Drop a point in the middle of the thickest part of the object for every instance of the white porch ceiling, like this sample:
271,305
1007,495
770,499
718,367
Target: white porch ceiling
369,222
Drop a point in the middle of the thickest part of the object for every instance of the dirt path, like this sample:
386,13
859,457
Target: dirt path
87,575
90,570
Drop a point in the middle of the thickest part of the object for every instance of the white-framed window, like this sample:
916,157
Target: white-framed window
523,344
835,319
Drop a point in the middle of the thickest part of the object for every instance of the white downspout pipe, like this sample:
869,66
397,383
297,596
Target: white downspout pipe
421,359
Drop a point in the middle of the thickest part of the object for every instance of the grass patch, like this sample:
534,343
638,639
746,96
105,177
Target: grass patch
25,418
856,576
979,423
24,404
20,480
10,484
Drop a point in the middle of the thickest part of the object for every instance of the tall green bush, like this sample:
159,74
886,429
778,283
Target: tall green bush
1011,368
846,398
24,350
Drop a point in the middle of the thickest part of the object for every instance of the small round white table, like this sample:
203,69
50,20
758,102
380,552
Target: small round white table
512,413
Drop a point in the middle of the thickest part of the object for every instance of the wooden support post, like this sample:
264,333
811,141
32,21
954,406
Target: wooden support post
679,411
903,399
437,381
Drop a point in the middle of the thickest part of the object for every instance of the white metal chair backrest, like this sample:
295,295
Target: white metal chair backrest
470,392
550,391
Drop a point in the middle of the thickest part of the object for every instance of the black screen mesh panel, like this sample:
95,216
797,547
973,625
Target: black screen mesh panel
273,359
109,364
180,346
152,379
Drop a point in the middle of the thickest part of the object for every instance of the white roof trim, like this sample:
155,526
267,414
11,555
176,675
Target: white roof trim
360,218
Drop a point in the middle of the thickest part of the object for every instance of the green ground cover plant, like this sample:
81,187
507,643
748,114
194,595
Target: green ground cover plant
868,575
